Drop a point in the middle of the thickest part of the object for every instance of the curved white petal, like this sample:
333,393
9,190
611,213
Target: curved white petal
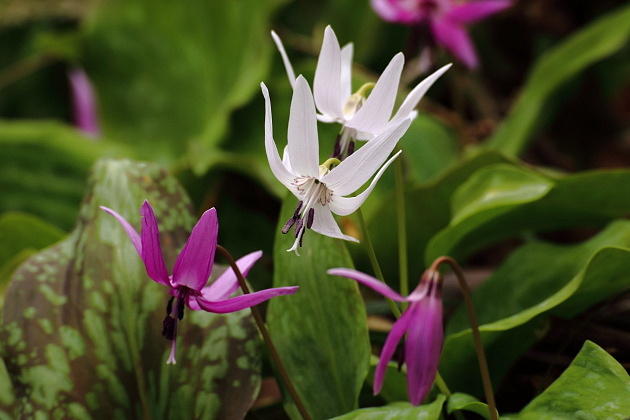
327,81
346,71
418,92
344,206
327,119
303,143
357,168
285,58
324,223
277,168
375,112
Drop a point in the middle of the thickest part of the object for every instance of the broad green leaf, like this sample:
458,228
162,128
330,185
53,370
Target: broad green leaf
497,187
594,386
465,402
427,210
81,322
168,74
321,332
7,396
398,411
584,199
536,280
394,386
598,40
50,188
19,231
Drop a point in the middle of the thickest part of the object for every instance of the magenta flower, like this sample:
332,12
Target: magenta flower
446,20
83,102
187,284
421,321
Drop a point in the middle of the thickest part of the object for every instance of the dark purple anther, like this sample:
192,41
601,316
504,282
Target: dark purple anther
309,218
337,148
298,227
168,327
350,148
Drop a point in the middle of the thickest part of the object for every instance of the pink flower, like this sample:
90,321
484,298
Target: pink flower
83,102
187,284
421,321
446,20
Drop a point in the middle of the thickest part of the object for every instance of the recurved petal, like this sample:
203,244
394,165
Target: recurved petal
397,11
423,347
285,58
398,330
227,283
151,249
366,280
324,223
347,205
357,168
375,112
303,143
411,101
129,230
194,263
346,71
327,81
244,301
281,173
454,38
474,11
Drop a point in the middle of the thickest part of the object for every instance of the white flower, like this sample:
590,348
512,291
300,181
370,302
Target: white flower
361,118
322,189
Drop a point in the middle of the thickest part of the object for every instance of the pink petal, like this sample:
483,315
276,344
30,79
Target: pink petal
398,330
129,230
83,102
455,40
397,11
423,347
151,249
369,281
227,282
474,11
194,263
244,301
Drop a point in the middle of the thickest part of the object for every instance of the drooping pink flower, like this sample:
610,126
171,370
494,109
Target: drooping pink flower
421,321
187,284
83,102
446,19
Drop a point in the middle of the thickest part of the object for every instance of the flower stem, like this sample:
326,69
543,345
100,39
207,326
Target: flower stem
273,353
399,182
365,235
481,357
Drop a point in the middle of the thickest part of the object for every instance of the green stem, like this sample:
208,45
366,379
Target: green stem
365,236
399,182
481,357
273,353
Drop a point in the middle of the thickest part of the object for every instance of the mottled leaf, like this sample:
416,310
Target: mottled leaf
594,386
596,41
321,332
81,322
398,411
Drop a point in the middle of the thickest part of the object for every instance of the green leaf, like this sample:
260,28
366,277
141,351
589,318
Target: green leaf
598,40
321,331
50,188
465,402
20,231
536,280
168,74
398,411
497,187
594,386
81,322
585,199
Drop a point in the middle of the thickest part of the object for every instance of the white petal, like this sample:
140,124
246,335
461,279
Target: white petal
327,81
285,58
324,223
418,92
357,168
279,170
346,71
344,206
375,112
303,143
